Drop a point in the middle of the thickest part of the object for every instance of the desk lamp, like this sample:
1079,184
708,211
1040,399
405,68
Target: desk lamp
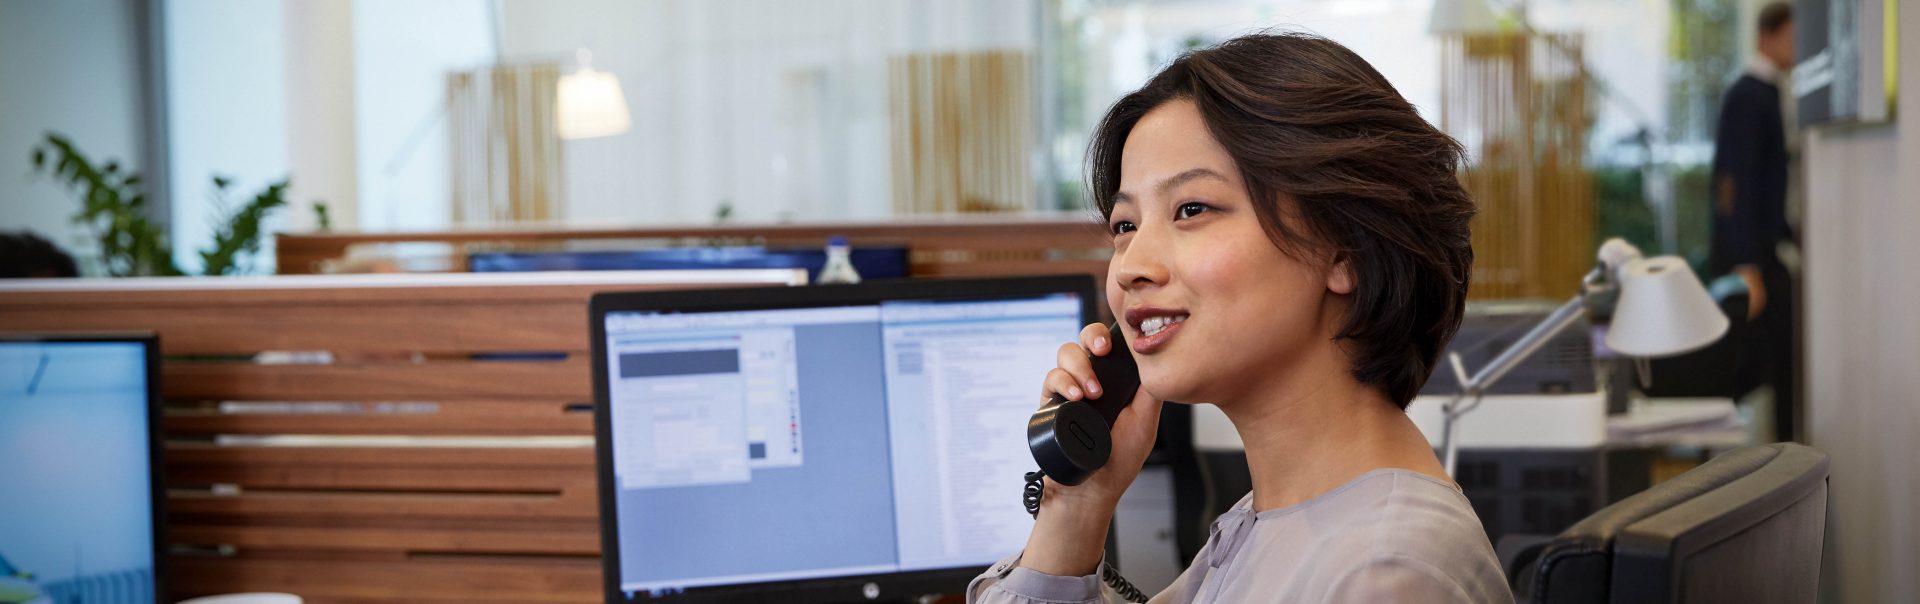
589,102
1663,310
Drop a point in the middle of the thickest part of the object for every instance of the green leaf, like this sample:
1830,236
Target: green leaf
112,207
241,233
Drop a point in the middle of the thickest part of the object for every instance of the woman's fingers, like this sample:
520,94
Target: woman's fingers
1073,358
1094,338
1074,377
1062,383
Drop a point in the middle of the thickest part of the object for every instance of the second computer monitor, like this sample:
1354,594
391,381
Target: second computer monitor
80,491
820,442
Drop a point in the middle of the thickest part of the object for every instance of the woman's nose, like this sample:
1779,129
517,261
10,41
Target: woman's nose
1142,262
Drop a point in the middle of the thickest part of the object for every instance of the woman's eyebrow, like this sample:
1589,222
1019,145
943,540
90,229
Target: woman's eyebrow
1170,182
1190,175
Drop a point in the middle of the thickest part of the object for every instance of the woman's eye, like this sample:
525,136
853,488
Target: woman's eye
1120,227
1191,209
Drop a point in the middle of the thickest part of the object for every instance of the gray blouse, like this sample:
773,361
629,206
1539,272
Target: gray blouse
1390,535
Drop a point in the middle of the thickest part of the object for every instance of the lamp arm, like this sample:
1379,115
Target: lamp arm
1475,387
1526,346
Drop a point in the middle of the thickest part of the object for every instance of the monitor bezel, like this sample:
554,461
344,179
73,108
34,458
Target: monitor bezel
156,441
893,586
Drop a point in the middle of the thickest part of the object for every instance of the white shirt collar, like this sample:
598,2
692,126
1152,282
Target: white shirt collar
1763,69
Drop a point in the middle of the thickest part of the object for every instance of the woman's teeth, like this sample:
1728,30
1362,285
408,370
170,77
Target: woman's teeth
1154,325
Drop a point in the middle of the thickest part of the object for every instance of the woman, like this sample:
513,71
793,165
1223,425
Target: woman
1291,245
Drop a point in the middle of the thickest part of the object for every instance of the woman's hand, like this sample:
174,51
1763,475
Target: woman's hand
1133,431
1069,535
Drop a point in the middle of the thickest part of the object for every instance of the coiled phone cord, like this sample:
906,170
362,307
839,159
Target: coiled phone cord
1030,497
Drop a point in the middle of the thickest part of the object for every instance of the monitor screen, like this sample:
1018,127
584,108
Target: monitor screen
784,444
76,477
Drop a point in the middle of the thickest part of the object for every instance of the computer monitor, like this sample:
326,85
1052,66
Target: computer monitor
823,443
80,488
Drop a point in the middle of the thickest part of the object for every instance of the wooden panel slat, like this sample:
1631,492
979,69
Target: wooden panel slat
182,294
1071,231
337,327
1065,230
574,502
569,379
574,457
477,418
470,479
403,580
990,268
386,469
581,540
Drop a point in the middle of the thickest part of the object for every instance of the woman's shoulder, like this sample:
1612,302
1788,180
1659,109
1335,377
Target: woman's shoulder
1398,511
1401,523
1392,512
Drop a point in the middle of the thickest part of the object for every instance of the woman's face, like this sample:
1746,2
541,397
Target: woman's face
1213,307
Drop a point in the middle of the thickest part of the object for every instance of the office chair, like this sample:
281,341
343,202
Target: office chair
1746,526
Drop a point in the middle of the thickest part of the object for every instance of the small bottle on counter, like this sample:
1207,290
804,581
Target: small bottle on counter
839,266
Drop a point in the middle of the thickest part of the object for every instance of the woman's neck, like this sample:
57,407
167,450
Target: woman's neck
1320,429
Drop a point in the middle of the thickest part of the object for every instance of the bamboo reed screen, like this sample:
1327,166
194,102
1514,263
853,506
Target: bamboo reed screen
1519,105
505,144
962,132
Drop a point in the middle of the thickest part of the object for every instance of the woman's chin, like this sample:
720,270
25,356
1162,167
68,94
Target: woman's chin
1168,388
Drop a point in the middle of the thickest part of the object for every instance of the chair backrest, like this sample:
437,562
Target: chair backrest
403,438
1746,526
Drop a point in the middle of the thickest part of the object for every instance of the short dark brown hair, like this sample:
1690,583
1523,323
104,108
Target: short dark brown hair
24,255
1322,136
1775,16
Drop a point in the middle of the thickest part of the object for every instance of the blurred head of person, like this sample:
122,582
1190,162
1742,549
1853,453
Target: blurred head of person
24,255
1776,34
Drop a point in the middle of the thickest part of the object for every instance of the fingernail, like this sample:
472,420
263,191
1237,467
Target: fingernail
1074,394
1099,343
1093,386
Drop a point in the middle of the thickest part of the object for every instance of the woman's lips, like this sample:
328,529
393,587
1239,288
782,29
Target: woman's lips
1145,344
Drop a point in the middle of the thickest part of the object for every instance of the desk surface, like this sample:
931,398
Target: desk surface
1566,421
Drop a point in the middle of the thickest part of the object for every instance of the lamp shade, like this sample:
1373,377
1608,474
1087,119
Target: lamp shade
590,105
1663,310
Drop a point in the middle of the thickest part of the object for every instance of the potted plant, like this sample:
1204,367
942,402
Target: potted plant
113,206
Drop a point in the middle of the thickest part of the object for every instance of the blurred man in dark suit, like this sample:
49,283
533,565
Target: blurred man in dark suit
1750,204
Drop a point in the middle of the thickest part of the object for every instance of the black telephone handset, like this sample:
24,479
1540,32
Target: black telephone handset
1072,439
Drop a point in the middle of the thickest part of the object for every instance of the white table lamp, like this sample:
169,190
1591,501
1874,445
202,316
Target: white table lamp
590,103
1663,310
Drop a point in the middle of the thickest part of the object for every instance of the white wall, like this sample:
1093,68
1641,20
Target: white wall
777,107
402,52
1862,289
69,67
226,114
321,146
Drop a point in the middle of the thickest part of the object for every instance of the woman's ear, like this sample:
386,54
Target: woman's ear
1340,275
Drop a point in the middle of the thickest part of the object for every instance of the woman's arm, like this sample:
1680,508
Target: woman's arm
1070,532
